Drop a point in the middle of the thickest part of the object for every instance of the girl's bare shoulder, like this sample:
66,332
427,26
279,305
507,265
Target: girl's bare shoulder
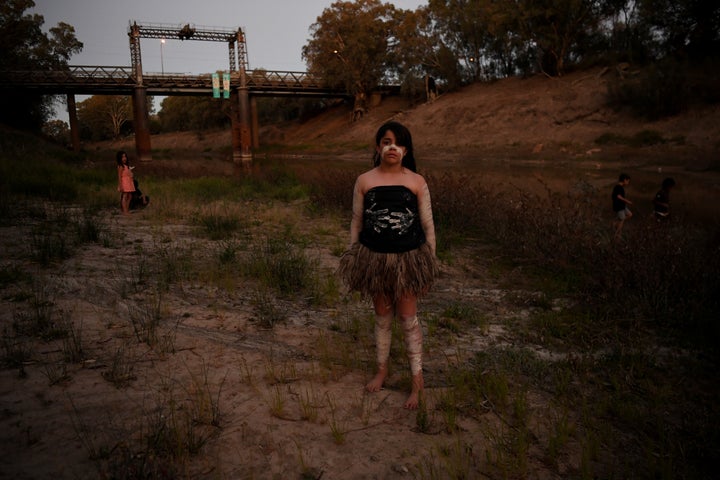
418,181
368,179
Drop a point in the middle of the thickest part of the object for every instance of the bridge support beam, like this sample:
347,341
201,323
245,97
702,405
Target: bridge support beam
141,124
255,129
74,126
235,126
242,138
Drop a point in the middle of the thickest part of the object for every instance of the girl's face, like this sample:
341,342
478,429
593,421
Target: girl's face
123,158
389,151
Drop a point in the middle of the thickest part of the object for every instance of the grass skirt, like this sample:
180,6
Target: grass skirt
390,274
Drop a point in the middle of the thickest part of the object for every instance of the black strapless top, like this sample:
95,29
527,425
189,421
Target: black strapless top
391,222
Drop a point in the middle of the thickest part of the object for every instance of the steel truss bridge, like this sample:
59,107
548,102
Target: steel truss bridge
108,80
132,81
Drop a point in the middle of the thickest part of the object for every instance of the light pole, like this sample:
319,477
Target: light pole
162,63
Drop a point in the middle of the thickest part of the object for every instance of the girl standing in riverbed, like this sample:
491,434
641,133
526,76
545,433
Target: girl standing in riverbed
391,258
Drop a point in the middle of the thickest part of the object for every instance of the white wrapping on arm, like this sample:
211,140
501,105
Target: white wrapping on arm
426,216
357,214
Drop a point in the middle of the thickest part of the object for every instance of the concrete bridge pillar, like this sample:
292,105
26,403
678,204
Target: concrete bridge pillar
141,124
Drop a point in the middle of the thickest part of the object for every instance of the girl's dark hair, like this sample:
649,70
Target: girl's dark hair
402,139
668,183
119,155
623,177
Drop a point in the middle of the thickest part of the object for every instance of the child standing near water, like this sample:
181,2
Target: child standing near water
126,186
391,259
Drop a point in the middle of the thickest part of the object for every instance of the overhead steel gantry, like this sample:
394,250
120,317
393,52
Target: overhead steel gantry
237,54
237,51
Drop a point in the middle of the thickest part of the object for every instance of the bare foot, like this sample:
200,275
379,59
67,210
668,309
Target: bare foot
376,383
417,387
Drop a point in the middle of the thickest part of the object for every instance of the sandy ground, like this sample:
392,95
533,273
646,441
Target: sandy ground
288,400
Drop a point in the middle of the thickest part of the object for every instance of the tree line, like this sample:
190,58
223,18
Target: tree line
359,45
364,43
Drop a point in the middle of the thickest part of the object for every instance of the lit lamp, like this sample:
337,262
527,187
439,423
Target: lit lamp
162,63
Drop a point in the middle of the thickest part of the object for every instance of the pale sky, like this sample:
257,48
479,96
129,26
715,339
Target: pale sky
276,30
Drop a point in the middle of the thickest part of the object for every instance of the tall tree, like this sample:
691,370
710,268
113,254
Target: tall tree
193,113
24,46
58,131
463,25
557,28
104,116
420,50
349,45
689,28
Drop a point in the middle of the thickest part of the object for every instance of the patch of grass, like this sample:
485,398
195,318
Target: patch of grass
228,252
337,428
59,234
145,320
122,367
557,328
447,404
204,397
561,430
219,226
73,348
455,459
206,189
455,316
283,266
277,402
324,289
310,404
171,430
16,351
42,319
422,417
267,313
508,452
48,245
90,227
56,371
173,262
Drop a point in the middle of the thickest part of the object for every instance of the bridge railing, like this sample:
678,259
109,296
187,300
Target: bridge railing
262,78
121,80
70,75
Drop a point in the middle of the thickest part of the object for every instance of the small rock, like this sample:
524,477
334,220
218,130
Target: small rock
401,469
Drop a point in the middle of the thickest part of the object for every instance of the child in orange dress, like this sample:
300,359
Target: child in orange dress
126,186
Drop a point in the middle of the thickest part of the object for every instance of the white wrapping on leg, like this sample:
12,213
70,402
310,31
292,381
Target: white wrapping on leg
413,342
383,337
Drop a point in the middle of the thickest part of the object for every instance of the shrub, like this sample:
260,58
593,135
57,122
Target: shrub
659,90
